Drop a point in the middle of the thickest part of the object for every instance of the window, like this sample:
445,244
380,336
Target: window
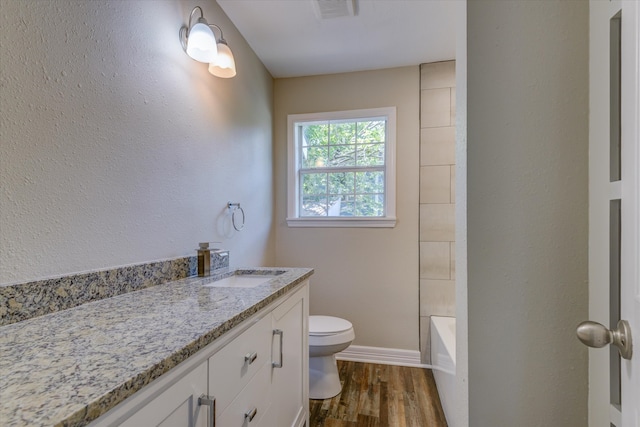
342,169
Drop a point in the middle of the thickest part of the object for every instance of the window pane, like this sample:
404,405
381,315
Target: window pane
342,183
371,131
316,134
314,157
370,155
615,266
342,133
342,155
314,183
370,205
314,206
369,182
335,205
343,205
615,158
347,209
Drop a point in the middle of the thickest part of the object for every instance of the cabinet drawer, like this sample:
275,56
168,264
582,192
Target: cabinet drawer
254,397
229,371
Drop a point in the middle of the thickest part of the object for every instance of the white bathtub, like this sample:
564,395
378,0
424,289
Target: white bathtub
443,360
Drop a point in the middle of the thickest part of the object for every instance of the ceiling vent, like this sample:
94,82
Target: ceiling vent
327,9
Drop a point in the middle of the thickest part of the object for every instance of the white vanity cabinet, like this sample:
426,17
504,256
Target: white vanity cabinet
271,391
257,374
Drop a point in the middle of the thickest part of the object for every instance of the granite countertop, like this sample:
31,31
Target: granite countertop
68,368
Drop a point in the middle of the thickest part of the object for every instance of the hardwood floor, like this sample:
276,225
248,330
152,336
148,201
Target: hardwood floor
380,396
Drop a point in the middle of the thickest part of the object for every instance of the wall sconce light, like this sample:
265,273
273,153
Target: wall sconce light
199,42
224,65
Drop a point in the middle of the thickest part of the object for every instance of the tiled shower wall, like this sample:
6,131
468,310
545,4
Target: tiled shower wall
437,196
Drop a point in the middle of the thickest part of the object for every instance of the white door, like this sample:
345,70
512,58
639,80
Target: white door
614,212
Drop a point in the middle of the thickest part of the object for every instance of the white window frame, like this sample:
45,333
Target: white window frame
293,184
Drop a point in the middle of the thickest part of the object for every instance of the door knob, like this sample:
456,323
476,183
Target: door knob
596,335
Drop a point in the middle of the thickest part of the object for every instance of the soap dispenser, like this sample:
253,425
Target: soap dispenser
204,259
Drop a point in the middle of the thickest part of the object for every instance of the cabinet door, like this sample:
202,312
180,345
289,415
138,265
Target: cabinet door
177,406
290,382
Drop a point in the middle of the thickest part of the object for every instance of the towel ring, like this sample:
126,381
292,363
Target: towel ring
234,207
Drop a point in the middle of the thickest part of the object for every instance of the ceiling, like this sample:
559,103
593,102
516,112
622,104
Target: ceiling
291,40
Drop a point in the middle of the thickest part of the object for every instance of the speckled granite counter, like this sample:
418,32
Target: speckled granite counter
69,367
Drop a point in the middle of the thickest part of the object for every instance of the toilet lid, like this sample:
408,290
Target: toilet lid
327,325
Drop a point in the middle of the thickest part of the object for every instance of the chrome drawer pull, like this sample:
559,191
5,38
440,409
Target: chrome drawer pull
211,403
278,364
251,357
251,414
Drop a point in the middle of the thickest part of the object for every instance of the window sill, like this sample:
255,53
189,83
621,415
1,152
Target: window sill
387,222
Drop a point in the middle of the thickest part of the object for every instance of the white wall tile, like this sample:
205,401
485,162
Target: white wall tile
435,184
438,75
437,222
435,108
435,260
437,197
437,298
437,146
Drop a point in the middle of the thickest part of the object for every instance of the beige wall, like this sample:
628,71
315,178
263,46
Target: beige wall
437,196
118,148
369,276
527,154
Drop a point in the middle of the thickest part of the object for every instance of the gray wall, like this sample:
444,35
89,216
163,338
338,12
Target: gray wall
118,148
527,212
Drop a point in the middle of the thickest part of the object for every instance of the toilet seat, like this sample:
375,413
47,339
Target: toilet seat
320,326
332,339
329,330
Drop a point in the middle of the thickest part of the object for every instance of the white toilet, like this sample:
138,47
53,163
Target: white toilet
327,336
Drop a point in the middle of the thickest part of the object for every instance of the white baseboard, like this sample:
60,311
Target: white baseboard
384,356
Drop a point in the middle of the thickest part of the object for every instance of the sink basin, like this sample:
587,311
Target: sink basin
241,281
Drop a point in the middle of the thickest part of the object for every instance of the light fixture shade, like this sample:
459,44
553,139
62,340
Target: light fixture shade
201,43
224,65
